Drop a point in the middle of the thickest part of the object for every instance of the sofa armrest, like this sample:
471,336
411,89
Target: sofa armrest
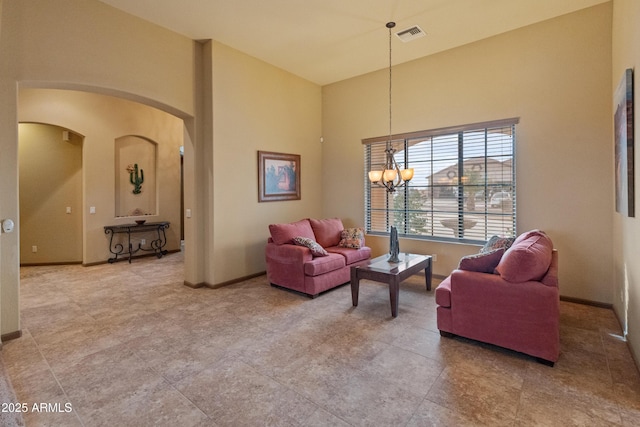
483,294
287,254
285,265
551,278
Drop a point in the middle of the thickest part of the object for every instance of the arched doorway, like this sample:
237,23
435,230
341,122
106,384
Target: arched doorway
103,120
50,165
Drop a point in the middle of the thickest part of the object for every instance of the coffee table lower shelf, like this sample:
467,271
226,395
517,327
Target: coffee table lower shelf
393,273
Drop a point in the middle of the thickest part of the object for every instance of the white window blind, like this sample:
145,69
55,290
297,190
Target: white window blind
463,189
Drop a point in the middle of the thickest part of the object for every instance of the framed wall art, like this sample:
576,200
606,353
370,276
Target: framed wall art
624,145
278,176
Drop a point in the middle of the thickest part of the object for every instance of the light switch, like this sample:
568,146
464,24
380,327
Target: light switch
188,213
92,209
68,209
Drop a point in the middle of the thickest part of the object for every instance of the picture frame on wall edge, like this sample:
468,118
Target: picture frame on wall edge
624,145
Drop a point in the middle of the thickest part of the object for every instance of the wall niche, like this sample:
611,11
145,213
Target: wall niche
135,186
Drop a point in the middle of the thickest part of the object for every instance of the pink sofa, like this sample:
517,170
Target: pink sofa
506,297
315,269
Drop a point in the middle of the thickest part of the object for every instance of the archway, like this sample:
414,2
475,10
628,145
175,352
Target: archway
102,119
50,165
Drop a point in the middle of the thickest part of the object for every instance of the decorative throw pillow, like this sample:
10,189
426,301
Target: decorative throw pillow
482,262
316,249
526,235
527,259
327,231
497,242
352,238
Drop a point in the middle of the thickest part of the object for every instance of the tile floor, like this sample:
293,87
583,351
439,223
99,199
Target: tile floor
129,345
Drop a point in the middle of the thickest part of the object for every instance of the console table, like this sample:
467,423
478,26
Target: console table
156,245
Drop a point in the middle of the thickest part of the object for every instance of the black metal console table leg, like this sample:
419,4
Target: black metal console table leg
116,249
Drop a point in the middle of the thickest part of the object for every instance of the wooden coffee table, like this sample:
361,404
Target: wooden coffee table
380,270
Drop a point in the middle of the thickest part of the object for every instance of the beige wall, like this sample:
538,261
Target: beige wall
556,77
626,231
257,107
50,183
80,44
102,120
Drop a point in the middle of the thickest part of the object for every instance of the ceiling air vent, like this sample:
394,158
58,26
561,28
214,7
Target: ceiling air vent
412,33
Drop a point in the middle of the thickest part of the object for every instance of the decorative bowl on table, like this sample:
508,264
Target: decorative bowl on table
140,221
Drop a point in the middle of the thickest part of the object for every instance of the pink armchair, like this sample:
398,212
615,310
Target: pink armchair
508,298
322,264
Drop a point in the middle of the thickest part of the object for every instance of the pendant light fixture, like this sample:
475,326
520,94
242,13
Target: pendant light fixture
391,176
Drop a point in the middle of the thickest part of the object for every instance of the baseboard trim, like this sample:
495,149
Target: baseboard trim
234,281
634,356
586,302
91,264
11,336
223,284
193,285
42,264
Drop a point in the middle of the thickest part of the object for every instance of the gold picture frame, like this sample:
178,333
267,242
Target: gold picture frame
278,176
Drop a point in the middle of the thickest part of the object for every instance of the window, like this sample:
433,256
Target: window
463,188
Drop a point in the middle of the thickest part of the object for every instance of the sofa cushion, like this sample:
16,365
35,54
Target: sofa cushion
497,242
352,238
314,247
351,255
482,262
527,259
322,265
327,231
284,233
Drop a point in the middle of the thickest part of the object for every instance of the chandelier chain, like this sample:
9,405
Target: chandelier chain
391,176
390,133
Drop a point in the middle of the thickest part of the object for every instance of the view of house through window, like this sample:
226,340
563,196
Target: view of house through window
463,187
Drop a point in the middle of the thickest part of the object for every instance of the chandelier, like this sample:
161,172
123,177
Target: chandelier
391,176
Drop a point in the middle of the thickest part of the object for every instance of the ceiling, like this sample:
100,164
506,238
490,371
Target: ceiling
325,41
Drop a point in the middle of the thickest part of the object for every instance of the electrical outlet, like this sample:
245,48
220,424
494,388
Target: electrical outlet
434,257
34,249
143,241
